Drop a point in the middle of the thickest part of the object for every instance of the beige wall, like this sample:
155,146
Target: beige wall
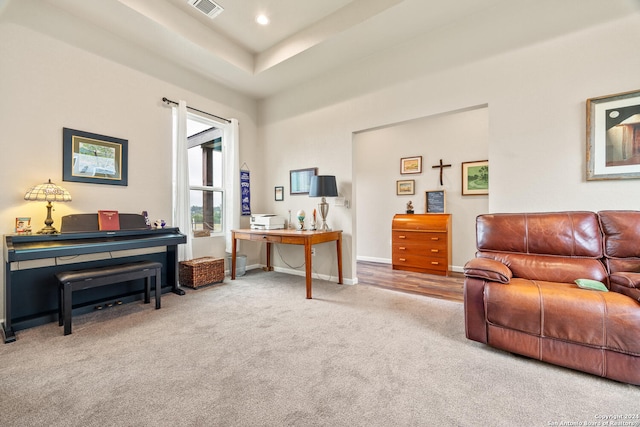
47,85
536,115
455,138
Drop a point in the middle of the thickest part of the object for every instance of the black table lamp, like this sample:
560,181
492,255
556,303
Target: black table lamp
323,186
48,192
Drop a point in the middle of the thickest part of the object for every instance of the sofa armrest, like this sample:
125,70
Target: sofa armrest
626,279
488,269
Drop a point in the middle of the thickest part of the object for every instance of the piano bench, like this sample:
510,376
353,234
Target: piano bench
78,280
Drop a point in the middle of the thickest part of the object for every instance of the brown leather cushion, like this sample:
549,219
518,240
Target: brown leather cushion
565,312
550,268
571,234
621,233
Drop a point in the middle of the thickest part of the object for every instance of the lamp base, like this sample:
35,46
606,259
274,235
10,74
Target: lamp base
48,229
324,211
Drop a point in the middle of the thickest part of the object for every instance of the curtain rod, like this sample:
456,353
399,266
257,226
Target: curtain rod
168,101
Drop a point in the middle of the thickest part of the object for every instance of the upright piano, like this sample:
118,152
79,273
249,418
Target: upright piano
31,262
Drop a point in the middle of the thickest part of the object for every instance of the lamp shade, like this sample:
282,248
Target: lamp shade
48,192
323,186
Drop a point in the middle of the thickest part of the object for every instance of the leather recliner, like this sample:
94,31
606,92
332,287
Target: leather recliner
520,293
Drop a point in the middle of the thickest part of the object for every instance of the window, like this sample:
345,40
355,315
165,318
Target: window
206,176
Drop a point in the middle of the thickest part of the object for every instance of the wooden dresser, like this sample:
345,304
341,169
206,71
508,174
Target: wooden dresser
422,243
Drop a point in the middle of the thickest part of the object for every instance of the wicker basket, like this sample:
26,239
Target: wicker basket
201,272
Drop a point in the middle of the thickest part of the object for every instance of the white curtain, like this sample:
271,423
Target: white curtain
232,180
181,193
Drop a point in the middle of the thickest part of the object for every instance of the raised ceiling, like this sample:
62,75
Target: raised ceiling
305,39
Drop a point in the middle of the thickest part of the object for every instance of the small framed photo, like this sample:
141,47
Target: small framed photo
410,165
613,137
300,180
23,225
279,194
92,158
435,201
406,187
475,178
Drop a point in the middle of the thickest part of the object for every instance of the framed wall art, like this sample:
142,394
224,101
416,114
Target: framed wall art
300,180
435,201
613,136
406,187
279,194
475,178
93,158
410,165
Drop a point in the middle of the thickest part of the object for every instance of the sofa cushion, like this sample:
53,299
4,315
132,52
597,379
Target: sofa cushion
565,312
549,268
621,233
571,234
621,236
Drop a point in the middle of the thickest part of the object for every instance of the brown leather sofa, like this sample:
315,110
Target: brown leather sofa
520,294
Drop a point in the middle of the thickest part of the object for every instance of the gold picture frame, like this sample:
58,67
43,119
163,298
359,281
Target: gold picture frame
409,165
406,187
475,178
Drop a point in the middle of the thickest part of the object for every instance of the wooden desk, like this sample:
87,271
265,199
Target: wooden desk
289,237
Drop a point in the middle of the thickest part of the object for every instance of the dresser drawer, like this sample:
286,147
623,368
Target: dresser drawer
420,250
417,238
420,261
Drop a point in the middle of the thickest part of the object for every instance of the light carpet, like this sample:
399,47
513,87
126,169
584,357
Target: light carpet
255,352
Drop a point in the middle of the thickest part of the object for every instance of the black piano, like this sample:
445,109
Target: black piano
31,262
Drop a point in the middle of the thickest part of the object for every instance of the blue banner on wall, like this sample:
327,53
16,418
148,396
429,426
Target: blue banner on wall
245,193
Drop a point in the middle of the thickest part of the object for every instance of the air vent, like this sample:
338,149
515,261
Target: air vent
207,7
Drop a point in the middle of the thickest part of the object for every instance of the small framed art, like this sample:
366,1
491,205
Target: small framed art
475,178
409,165
613,136
279,194
406,187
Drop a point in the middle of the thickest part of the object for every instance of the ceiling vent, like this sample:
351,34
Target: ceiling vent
207,7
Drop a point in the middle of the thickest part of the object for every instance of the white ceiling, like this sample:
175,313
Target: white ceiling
305,39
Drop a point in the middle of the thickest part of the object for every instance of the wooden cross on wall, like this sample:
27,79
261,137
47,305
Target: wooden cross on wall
441,166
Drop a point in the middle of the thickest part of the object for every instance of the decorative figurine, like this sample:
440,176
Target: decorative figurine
409,207
301,216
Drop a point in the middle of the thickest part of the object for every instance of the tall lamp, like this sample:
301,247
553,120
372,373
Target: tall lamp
323,186
48,192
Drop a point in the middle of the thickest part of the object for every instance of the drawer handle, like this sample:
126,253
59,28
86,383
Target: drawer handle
402,248
402,237
435,238
402,259
435,250
434,263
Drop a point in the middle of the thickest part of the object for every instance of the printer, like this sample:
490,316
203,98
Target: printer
267,222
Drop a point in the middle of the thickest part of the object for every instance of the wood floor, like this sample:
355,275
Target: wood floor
384,276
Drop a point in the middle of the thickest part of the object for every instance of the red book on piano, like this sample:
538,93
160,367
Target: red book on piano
108,220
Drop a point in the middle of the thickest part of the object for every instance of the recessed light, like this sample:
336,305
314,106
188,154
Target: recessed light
262,20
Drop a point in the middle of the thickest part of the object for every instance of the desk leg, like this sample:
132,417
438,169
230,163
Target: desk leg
269,267
339,252
233,256
307,263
